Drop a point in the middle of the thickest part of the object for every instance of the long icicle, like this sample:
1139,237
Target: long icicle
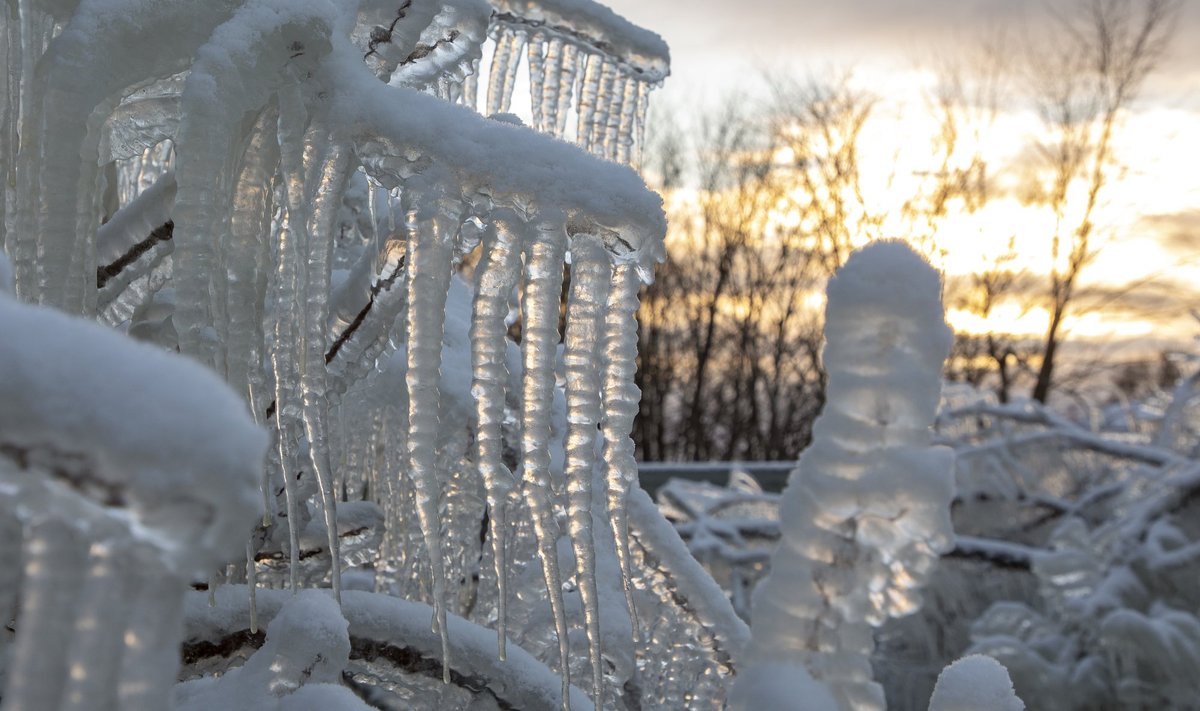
590,269
621,398
104,607
285,293
498,271
539,344
331,183
429,262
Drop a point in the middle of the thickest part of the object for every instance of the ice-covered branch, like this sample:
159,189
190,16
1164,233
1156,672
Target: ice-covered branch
867,510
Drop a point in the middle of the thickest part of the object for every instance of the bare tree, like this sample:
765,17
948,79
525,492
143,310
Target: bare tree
1084,80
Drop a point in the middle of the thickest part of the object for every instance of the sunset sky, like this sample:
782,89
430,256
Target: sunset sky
1151,217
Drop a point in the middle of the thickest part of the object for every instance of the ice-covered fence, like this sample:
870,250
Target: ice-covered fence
125,471
867,510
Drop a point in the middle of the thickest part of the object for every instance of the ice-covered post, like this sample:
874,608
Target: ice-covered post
867,510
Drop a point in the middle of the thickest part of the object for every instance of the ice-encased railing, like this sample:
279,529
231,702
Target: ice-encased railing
280,190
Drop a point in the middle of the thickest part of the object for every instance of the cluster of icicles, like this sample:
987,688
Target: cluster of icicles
223,147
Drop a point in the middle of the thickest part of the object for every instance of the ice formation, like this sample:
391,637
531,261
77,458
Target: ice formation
867,510
118,499
286,191
975,683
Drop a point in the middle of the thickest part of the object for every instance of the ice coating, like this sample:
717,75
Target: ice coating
590,278
867,509
975,683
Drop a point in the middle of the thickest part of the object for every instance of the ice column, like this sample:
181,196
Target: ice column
867,510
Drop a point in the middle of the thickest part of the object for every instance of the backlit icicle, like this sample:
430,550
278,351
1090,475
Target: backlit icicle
547,96
330,185
511,70
621,141
566,88
537,78
539,343
285,313
621,398
470,86
606,102
590,269
589,86
249,253
643,107
55,556
506,53
497,274
430,249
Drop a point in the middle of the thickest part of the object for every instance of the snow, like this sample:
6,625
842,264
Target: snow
975,683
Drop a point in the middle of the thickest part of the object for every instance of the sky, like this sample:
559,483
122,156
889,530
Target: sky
1153,214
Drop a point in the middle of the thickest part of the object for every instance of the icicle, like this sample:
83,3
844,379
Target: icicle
626,126
621,398
25,233
589,85
212,589
507,46
330,186
539,343
470,86
496,276
511,70
104,607
249,252
643,106
603,105
252,585
429,263
566,88
537,78
285,291
55,561
545,95
589,293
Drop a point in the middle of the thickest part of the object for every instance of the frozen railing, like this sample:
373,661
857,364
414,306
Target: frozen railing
270,188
